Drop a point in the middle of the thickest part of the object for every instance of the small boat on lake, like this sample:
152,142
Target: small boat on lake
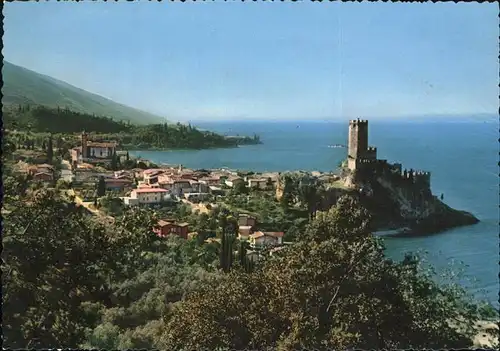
336,146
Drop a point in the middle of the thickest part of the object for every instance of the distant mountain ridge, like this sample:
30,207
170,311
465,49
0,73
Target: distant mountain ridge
24,86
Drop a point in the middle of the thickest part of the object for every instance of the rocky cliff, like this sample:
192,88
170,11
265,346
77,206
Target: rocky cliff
401,205
398,204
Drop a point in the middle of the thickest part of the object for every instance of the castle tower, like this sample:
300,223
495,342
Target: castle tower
358,138
84,145
359,153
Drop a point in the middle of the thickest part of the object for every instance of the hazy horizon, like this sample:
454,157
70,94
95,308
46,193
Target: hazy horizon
261,61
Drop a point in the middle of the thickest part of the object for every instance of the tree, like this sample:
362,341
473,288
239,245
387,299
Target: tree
240,188
50,150
44,288
101,187
114,161
288,190
310,194
333,289
228,226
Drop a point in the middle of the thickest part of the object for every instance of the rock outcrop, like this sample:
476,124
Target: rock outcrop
403,205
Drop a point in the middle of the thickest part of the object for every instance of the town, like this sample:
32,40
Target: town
105,180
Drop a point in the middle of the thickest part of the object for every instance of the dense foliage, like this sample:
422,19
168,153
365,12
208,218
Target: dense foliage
38,119
333,289
71,281
270,215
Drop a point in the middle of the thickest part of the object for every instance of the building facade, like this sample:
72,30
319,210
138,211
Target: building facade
91,151
149,195
166,228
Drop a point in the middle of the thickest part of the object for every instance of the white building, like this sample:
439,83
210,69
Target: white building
234,181
259,183
150,195
266,238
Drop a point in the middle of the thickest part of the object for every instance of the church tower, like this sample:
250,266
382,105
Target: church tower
84,145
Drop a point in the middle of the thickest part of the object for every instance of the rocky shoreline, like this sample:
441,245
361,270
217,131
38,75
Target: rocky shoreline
399,211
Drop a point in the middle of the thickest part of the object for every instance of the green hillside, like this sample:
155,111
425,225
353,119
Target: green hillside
23,86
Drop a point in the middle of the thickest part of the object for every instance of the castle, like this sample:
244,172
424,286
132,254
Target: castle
362,157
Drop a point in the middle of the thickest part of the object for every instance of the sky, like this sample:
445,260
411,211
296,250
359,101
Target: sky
266,60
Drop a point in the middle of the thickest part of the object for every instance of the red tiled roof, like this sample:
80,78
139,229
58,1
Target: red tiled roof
150,190
273,234
152,170
163,223
257,235
153,174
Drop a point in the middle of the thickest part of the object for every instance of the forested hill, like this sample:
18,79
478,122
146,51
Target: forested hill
41,119
23,86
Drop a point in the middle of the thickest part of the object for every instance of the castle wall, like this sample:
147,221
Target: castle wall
370,153
351,163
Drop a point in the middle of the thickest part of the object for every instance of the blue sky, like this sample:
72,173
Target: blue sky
261,60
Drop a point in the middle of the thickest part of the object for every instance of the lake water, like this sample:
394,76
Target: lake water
461,156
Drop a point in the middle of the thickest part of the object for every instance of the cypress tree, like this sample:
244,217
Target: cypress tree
114,161
242,253
101,187
249,265
50,152
222,253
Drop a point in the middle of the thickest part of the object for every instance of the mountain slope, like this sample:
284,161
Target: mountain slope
23,86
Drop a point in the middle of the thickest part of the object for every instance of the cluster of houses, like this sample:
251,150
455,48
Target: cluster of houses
247,231
157,185
37,172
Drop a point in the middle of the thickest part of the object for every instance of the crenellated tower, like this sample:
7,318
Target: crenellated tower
359,153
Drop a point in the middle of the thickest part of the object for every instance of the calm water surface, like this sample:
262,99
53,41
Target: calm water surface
462,158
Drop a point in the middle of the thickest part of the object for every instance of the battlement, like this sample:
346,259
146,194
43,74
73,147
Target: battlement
417,176
371,149
354,122
366,161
